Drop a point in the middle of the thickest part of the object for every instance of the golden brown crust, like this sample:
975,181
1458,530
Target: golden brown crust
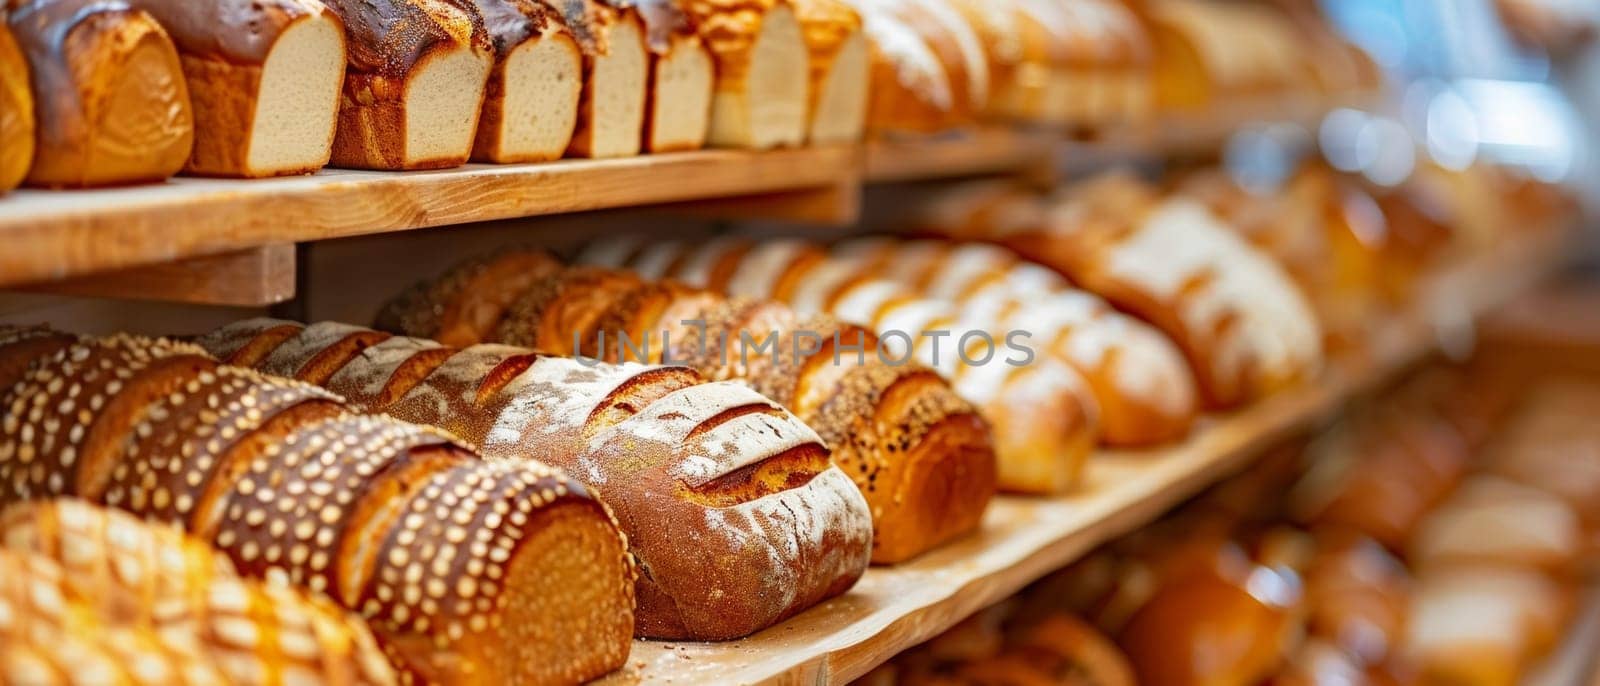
16,111
118,110
729,29
465,305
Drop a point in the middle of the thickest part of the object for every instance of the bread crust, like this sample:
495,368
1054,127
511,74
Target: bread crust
16,111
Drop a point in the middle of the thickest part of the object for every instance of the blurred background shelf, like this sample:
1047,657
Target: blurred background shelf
1024,538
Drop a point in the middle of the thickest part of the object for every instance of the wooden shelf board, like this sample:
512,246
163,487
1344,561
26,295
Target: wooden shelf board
56,234
1024,538
974,152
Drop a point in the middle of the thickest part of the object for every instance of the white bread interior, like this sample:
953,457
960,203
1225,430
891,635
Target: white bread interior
680,111
542,81
617,80
841,109
768,108
297,106
444,97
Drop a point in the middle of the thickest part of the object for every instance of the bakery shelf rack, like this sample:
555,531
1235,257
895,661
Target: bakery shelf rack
1024,538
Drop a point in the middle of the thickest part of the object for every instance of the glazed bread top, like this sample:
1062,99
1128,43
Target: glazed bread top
389,37
510,23
663,21
239,31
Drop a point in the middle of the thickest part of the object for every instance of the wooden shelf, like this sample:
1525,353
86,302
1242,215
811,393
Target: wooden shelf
53,235
974,152
1022,539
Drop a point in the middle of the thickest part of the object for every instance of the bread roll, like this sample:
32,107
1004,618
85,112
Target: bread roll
276,474
95,596
920,455
1107,74
682,80
1483,624
774,533
264,78
1490,519
16,111
616,77
112,106
841,70
414,86
530,106
762,93
1044,419
1213,626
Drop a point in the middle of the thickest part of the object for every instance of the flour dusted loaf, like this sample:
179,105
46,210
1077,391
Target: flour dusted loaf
920,455
929,70
616,76
530,105
97,596
776,529
16,111
449,558
414,85
840,60
264,80
762,94
682,79
1045,420
111,103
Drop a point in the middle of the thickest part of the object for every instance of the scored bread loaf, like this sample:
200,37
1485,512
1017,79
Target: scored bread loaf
840,60
682,80
1139,378
1045,420
616,76
264,79
762,95
97,596
16,110
277,475
414,86
530,105
919,454
111,102
776,528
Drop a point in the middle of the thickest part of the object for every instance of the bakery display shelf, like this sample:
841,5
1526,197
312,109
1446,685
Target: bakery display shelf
52,235
981,151
1024,538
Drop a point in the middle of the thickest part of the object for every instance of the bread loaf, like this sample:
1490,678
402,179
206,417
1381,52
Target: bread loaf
16,111
95,596
616,76
920,455
841,70
682,80
1045,421
530,106
762,94
775,532
111,102
414,86
910,89
277,475
264,78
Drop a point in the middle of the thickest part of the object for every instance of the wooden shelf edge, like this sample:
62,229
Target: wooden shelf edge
894,608
59,234
256,277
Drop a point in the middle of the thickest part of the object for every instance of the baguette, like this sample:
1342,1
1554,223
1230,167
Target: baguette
17,125
98,595
841,70
414,86
682,80
762,93
1044,419
280,478
112,105
264,78
775,533
530,105
616,77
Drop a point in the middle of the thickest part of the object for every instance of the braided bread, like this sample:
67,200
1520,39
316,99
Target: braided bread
919,454
776,529
95,596
283,480
1045,421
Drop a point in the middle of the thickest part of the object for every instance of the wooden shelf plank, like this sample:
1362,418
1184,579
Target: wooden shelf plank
975,152
256,277
56,234
1022,539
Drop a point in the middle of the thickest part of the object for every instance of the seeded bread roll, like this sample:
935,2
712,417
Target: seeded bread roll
414,86
112,105
16,111
518,404
104,598
1044,419
278,476
21,346
616,76
530,106
264,77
